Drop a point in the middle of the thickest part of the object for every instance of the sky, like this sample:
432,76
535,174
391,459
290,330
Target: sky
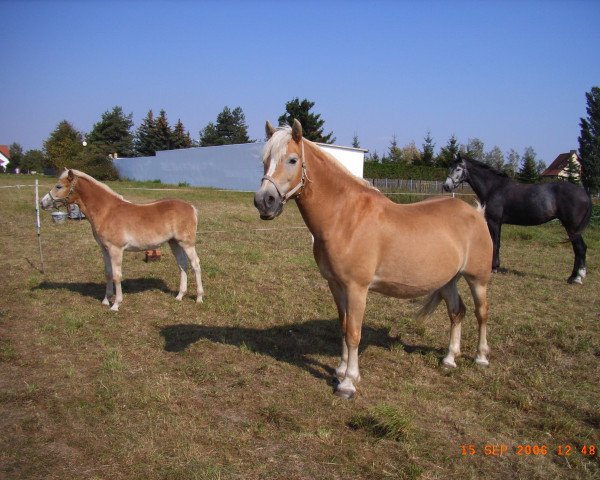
511,73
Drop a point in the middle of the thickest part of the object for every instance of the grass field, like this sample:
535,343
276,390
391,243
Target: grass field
240,387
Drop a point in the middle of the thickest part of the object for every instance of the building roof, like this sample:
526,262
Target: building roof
4,155
559,164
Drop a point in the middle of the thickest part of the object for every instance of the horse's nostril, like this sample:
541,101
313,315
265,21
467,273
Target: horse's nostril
270,200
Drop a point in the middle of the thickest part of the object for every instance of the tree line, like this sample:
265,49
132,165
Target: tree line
114,135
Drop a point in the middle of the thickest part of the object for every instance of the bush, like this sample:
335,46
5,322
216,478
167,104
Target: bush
400,170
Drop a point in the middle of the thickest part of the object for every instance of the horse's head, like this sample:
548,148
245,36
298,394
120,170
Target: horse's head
63,193
285,170
457,174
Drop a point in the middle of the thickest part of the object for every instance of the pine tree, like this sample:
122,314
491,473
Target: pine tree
312,124
181,138
394,153
573,171
112,133
528,172
355,142
230,128
427,155
145,136
448,153
589,142
163,133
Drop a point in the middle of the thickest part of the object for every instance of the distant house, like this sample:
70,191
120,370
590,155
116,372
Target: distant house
558,168
4,157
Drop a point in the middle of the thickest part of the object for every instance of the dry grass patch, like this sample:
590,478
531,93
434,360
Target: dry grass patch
240,386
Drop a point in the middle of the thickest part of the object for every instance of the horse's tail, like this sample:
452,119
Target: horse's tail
429,305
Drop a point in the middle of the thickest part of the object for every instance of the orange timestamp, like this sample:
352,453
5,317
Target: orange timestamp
527,450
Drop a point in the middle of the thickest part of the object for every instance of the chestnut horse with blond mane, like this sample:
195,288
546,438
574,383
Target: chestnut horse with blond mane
120,225
363,241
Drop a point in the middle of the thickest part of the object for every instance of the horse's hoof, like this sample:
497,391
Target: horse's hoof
106,302
199,300
448,363
115,307
179,297
344,393
494,270
578,280
482,362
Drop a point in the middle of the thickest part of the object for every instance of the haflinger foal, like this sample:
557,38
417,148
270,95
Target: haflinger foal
363,241
120,225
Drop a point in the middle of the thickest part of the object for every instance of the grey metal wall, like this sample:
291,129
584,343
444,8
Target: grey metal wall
232,167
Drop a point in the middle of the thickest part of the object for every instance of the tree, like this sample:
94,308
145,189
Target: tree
512,163
113,134
448,153
394,153
145,136
355,142
63,147
181,138
16,154
494,158
475,149
427,156
312,124
163,135
411,154
373,157
573,171
231,128
589,142
32,160
528,172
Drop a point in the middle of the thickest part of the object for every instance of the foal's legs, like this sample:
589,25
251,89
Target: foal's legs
579,249
182,262
116,259
456,312
341,302
190,251
107,271
355,311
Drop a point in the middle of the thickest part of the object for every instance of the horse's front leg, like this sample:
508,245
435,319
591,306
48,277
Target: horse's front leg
108,275
495,228
355,311
340,301
116,260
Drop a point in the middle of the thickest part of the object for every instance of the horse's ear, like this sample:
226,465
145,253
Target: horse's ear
269,130
70,175
297,131
457,157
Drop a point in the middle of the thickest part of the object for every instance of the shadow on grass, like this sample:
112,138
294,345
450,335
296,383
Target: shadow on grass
96,290
294,344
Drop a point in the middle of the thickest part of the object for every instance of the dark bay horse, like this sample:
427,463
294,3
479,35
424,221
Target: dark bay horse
363,241
120,225
508,201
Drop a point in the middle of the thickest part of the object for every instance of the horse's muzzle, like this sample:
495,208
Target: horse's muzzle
46,202
448,186
268,202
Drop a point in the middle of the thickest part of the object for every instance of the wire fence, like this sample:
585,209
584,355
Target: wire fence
426,187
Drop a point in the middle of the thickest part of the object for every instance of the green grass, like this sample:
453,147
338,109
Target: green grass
240,386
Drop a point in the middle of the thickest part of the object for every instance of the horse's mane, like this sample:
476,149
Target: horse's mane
79,173
479,164
276,147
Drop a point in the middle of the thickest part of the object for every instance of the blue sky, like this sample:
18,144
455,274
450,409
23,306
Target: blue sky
512,73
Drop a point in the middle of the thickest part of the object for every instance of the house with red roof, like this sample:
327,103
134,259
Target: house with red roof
4,157
558,168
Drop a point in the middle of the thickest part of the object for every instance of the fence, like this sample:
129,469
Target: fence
428,187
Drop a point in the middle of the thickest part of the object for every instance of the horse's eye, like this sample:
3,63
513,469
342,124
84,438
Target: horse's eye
292,161
58,187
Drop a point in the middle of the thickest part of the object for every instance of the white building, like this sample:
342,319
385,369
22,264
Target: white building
231,167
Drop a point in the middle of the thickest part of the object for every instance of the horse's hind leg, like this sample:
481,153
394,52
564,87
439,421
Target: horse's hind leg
109,276
116,259
456,312
479,292
181,258
579,270
190,251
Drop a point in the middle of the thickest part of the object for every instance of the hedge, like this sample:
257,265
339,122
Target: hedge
399,170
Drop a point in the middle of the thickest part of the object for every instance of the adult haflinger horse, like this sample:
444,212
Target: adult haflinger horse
508,201
120,225
363,241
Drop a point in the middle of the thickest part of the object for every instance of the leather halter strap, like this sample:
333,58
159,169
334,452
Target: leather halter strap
297,190
60,202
